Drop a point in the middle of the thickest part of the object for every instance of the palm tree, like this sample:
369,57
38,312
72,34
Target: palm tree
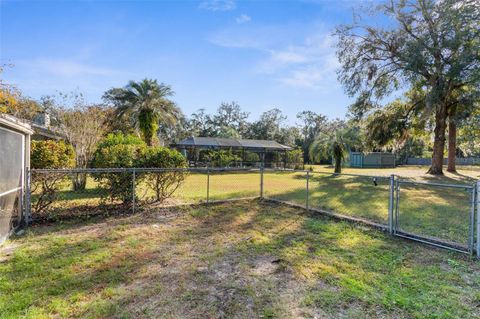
333,144
146,103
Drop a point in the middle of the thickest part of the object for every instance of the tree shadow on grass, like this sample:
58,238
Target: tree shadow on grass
458,179
278,260
110,263
81,212
68,270
424,210
245,259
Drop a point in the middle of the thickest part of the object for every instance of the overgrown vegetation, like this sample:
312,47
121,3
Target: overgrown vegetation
49,155
163,183
129,151
83,126
222,158
295,159
118,150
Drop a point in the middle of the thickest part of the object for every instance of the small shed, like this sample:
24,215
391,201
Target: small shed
372,160
265,149
14,162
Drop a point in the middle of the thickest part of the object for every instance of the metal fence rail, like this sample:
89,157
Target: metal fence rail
444,215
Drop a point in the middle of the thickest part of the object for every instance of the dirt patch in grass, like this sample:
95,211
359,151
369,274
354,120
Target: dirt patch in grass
246,259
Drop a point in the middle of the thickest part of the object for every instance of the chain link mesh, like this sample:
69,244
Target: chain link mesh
430,211
364,197
436,212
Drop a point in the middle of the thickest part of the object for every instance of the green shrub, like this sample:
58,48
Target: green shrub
222,158
164,184
295,159
252,157
51,154
118,151
48,155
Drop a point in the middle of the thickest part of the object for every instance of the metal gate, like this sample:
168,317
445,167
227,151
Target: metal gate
424,212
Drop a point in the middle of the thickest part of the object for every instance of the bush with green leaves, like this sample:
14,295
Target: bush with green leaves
51,154
118,151
163,183
295,159
222,158
48,155
252,157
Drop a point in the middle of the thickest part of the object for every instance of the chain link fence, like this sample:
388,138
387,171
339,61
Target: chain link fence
357,196
71,193
442,214
439,214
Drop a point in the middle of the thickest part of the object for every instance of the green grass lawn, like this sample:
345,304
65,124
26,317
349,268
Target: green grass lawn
245,259
424,210
464,174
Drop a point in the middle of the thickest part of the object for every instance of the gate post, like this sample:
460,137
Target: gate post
308,199
208,185
28,200
396,206
261,182
391,204
471,228
133,191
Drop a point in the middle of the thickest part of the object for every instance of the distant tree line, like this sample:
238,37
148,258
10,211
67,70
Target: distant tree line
394,127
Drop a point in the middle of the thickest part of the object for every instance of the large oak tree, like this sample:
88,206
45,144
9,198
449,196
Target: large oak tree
432,43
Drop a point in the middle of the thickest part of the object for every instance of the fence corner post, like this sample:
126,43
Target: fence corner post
307,189
208,185
28,200
391,204
133,191
261,182
478,219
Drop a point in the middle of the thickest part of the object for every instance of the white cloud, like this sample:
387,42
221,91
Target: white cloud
251,37
66,68
312,64
313,76
217,5
290,55
47,75
243,18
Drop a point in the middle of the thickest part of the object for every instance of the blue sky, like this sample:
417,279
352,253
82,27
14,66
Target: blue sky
262,54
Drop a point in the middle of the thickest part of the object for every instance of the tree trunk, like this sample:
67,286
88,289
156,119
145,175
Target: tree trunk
338,165
439,140
79,181
148,140
452,145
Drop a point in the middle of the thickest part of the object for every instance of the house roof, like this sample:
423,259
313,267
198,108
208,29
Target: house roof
43,132
16,124
214,142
